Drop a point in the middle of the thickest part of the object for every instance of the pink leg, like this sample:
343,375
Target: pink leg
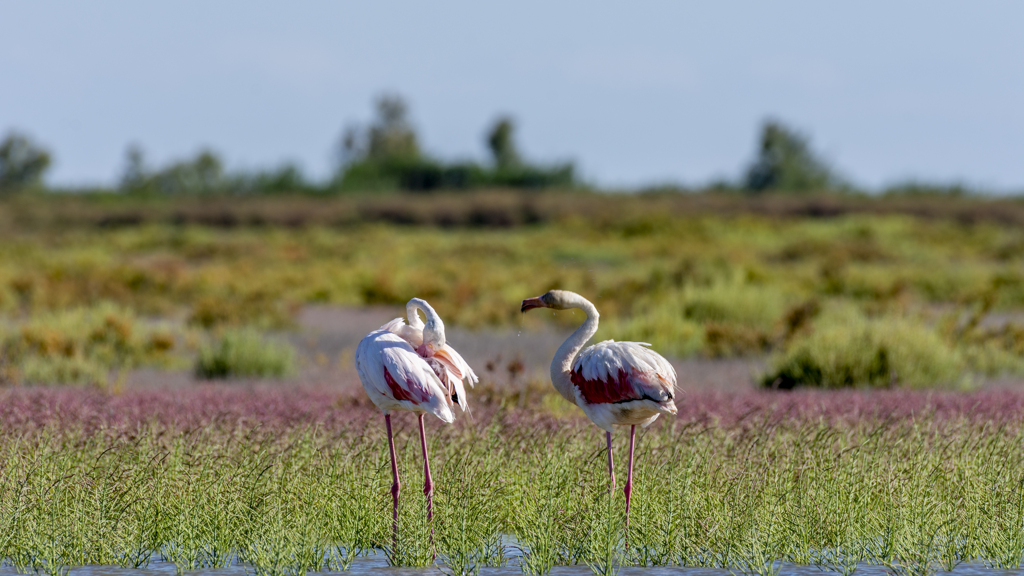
629,478
428,483
396,487
611,463
629,475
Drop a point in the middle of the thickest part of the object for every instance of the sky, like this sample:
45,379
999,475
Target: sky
636,93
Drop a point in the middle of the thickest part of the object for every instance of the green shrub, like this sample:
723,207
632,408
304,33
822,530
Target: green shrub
785,161
245,353
995,351
8,299
62,370
667,333
23,162
724,319
82,345
749,305
855,351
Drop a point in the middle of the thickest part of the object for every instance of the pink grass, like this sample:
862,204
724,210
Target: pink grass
27,409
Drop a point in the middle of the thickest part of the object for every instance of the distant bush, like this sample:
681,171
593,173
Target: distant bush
786,162
534,176
204,175
62,370
82,345
915,188
284,179
390,136
509,168
385,155
666,332
747,304
245,353
226,309
853,352
22,163
721,319
502,144
412,174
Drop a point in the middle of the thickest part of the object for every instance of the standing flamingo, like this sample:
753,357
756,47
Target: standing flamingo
411,367
615,383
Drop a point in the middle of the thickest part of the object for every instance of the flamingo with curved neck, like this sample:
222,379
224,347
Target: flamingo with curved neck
411,367
614,383
433,329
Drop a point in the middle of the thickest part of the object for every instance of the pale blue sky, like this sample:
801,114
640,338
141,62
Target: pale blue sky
635,92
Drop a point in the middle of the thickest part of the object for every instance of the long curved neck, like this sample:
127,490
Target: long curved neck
561,366
411,312
434,328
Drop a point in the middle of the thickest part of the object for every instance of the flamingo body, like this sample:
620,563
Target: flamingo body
395,377
614,383
622,383
449,366
410,367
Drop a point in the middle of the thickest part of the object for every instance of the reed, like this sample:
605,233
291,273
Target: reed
912,482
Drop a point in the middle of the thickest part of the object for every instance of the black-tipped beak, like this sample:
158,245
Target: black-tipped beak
531,303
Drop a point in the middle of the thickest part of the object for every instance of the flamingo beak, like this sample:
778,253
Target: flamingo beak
531,303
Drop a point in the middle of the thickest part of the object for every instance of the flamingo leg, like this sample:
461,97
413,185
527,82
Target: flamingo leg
396,487
629,475
611,463
428,483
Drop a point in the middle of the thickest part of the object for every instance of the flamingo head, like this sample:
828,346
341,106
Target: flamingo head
433,339
557,299
433,329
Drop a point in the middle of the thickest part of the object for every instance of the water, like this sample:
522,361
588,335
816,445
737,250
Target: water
377,565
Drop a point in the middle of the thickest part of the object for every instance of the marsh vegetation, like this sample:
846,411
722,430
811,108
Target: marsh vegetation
283,481
289,481
851,300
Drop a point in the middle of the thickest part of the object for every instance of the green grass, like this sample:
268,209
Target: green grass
245,353
83,345
690,284
914,496
851,350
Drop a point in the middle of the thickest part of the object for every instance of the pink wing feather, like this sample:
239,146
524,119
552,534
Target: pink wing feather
397,378
448,365
612,372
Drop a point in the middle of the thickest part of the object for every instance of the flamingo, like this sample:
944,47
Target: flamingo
614,383
410,367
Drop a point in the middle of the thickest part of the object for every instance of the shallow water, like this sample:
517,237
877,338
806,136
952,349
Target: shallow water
377,565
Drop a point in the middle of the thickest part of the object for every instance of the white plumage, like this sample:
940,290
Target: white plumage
410,367
385,360
614,383
449,370
606,359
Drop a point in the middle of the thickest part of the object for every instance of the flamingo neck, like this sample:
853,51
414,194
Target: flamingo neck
411,313
561,366
433,330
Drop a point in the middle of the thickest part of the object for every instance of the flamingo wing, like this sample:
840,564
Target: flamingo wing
411,334
458,372
397,378
615,372
448,365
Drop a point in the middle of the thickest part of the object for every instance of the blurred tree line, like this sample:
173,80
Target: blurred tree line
785,161
385,155
22,163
